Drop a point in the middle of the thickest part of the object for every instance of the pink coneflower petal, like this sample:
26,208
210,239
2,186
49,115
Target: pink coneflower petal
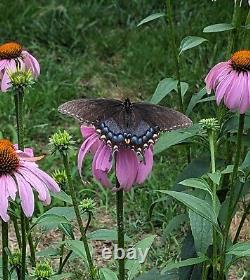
101,166
11,186
5,83
145,168
26,195
126,168
87,131
244,91
35,182
212,77
3,200
3,64
224,87
31,63
85,148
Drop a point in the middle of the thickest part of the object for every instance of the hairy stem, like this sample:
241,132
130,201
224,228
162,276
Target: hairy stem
120,230
78,216
212,153
16,227
31,244
231,196
5,244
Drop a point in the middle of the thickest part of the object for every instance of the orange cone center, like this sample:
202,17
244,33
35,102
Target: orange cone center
241,60
10,50
9,160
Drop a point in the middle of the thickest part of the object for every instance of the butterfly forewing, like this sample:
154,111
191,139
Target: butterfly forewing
91,111
166,119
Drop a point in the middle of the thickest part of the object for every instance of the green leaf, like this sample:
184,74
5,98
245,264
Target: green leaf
194,100
187,262
77,247
63,276
150,18
154,274
240,249
199,206
105,234
50,221
67,230
219,27
66,212
197,183
247,26
175,223
133,266
231,125
62,196
246,163
164,87
107,274
215,177
184,89
190,42
169,139
48,252
201,228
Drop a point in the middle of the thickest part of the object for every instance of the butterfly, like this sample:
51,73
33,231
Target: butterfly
134,125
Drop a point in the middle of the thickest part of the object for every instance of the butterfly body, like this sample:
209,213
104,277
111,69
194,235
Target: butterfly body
125,124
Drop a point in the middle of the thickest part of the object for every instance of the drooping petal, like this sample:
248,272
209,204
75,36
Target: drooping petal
26,195
43,176
31,63
84,149
3,200
11,186
5,82
87,131
101,165
144,168
224,87
126,168
245,101
213,75
3,63
35,182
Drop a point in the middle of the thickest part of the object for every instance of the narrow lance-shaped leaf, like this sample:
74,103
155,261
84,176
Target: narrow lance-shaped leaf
219,27
150,18
190,42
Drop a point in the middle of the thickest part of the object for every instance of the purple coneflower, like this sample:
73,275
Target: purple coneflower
231,82
13,56
19,173
129,168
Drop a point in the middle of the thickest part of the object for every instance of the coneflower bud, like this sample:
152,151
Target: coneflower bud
21,79
61,141
60,177
43,271
209,125
87,205
15,259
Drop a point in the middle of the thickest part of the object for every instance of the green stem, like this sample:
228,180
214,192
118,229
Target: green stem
16,227
231,196
175,52
244,216
5,244
213,167
120,230
23,250
61,255
19,96
78,216
31,244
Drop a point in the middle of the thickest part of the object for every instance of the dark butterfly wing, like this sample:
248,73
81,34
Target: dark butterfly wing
91,111
166,119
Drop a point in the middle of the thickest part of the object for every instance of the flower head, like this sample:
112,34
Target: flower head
130,169
12,58
87,205
61,141
20,79
20,174
231,82
210,124
43,271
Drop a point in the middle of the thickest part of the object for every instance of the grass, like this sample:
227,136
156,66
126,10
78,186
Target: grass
93,49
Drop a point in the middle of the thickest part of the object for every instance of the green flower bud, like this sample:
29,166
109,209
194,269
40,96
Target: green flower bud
21,79
87,205
43,271
61,141
60,177
15,259
209,125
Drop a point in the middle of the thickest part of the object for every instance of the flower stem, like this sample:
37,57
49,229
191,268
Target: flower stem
231,196
212,153
78,216
175,52
5,244
244,216
19,96
18,236
31,244
120,230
